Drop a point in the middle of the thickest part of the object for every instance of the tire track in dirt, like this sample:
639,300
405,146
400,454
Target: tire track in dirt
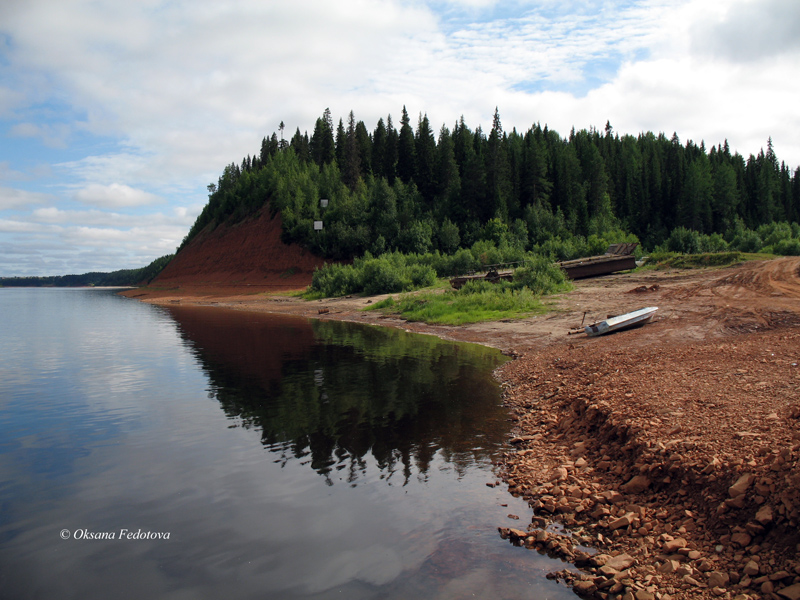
757,296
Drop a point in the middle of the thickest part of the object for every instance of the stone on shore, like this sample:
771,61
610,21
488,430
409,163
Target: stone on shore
636,485
764,515
791,593
741,485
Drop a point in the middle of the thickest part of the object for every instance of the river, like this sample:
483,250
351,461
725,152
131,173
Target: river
189,452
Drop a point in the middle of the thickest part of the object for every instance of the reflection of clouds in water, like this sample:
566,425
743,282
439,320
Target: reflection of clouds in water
376,564
248,520
78,343
471,585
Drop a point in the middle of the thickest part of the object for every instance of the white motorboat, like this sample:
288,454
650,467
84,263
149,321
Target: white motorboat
631,319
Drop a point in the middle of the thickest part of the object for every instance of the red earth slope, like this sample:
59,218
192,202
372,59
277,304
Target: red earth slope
247,257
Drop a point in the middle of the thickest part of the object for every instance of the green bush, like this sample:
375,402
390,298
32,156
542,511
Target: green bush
713,243
773,233
674,260
335,280
562,249
380,276
486,253
684,241
421,276
595,245
417,237
541,276
747,241
462,262
388,273
788,247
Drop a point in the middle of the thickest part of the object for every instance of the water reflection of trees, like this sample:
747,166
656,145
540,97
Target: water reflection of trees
330,393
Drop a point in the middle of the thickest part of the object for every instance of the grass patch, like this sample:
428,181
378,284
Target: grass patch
457,308
285,294
476,302
675,260
309,294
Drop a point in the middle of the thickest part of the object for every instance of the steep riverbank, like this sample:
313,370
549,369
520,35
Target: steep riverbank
669,452
244,258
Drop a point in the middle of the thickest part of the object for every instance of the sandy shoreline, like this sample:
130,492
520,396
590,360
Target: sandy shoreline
670,452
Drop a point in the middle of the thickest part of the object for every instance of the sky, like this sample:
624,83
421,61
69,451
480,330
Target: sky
115,116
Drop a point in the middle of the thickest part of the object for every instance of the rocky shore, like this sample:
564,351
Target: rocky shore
661,472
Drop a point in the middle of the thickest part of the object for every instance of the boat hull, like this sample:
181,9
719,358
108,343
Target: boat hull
626,321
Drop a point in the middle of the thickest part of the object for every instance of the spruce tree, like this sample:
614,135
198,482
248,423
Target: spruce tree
497,172
379,149
448,179
725,199
351,163
535,186
425,151
300,145
406,161
364,142
321,145
390,153
341,144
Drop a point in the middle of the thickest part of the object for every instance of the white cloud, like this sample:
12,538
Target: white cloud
114,196
194,86
174,91
751,31
9,99
19,226
7,173
52,136
181,217
543,49
157,72
676,88
119,166
11,198
31,248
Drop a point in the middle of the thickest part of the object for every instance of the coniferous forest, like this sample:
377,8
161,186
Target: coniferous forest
407,188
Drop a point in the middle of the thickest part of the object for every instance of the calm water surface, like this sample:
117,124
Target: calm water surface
284,458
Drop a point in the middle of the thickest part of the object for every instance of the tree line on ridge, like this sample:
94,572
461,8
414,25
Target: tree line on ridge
415,191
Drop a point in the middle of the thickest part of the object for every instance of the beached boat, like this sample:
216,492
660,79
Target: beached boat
631,319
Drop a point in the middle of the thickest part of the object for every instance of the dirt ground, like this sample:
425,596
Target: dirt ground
660,462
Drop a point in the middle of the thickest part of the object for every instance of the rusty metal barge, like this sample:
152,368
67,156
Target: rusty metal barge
618,257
